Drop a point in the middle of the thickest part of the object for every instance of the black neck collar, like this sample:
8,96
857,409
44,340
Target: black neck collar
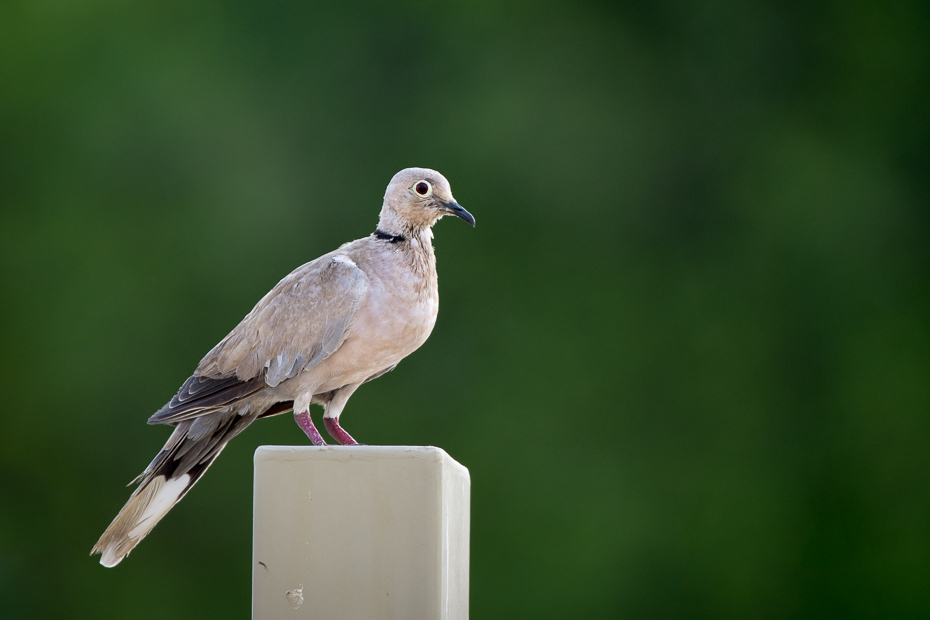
380,234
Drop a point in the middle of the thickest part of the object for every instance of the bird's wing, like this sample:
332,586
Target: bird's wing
303,320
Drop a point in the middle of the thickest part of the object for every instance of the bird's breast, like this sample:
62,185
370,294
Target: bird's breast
395,318
401,308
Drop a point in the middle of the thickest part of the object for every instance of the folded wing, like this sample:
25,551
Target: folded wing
299,323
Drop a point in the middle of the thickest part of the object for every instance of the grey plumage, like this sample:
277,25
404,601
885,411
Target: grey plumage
330,325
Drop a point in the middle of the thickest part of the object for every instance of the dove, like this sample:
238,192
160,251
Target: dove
329,326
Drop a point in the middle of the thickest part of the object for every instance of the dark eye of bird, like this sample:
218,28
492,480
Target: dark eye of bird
422,188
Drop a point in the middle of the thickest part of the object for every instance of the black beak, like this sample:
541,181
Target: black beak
458,211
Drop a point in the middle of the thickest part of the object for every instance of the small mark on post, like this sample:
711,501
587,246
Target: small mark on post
296,596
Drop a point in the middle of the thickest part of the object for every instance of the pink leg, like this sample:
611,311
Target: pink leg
306,425
336,432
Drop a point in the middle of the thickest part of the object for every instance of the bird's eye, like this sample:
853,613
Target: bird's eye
423,188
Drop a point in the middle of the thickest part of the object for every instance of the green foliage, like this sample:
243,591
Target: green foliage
685,353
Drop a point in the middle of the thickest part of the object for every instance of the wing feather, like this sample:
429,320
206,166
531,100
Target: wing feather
303,320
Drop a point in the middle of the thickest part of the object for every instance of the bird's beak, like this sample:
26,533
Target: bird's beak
458,211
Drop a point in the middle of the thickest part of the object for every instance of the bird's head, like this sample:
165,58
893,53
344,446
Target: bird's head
415,199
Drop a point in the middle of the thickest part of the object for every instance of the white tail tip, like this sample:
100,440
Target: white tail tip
141,513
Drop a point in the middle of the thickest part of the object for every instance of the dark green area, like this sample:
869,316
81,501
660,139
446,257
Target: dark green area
685,353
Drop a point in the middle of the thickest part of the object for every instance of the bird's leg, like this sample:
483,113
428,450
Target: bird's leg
306,425
336,432
332,408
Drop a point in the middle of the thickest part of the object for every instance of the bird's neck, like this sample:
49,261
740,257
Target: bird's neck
419,255
414,247
397,230
391,223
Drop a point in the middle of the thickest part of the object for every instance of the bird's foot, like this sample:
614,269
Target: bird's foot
337,432
306,425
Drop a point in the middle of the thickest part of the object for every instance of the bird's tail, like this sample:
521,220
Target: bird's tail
191,449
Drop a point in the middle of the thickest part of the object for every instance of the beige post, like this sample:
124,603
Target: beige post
360,532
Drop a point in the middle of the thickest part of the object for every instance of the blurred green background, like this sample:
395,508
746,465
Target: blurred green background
685,353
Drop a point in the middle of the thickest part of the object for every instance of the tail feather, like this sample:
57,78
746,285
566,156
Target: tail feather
141,513
191,449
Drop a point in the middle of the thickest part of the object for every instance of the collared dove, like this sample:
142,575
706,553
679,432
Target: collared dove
331,325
